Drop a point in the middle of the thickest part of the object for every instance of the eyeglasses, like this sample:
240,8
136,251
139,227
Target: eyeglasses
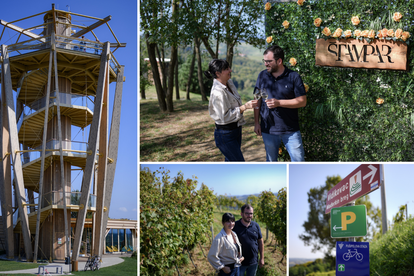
267,61
248,214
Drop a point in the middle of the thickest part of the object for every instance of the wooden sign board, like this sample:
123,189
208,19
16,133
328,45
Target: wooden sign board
355,53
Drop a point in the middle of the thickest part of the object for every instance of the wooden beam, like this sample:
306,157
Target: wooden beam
91,27
5,177
102,165
90,161
17,163
22,31
42,166
113,146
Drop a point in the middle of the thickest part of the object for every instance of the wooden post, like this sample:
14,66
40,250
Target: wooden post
62,170
90,161
112,149
17,163
102,166
42,161
5,177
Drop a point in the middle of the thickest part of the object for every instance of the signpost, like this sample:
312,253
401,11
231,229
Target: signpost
361,181
350,221
352,258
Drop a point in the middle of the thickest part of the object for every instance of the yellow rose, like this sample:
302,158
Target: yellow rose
286,24
357,33
371,34
326,31
269,39
280,151
293,61
348,33
365,33
355,20
337,33
384,32
405,36
317,22
306,87
268,6
398,33
300,2
390,33
380,101
397,16
379,34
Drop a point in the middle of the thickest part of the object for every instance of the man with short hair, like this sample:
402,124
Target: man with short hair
279,113
250,237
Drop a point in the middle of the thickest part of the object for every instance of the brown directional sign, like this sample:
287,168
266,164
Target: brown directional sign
361,181
378,54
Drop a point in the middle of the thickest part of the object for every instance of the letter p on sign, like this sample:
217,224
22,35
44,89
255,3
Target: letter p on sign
345,221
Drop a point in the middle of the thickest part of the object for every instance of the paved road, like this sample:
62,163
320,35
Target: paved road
107,260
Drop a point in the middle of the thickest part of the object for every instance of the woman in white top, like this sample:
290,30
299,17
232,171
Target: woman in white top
226,109
225,254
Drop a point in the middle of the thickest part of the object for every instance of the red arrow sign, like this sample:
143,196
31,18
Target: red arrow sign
362,181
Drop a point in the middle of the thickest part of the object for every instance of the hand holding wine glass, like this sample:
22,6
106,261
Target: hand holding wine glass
257,95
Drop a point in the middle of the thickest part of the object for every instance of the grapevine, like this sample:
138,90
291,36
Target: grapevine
174,217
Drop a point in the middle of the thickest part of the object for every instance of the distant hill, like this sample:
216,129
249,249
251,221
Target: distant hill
297,261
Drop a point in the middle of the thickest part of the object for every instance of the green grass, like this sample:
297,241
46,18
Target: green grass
127,267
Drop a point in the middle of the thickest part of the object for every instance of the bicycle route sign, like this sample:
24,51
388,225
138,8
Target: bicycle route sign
361,181
352,258
349,221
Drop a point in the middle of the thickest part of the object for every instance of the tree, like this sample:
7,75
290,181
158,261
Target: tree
317,227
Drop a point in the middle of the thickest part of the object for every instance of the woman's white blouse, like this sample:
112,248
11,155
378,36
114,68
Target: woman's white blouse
224,107
223,251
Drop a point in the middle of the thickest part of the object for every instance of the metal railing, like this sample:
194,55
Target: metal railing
53,144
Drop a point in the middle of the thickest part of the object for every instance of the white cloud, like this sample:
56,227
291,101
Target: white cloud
123,209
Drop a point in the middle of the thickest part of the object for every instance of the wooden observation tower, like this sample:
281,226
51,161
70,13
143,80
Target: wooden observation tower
61,82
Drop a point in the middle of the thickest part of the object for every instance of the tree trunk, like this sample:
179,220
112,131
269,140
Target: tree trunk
229,55
190,74
162,71
156,75
177,88
200,71
171,69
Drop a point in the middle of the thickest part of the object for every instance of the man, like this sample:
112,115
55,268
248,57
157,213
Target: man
279,113
250,237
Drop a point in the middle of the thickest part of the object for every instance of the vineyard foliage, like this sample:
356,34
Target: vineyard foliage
272,211
174,217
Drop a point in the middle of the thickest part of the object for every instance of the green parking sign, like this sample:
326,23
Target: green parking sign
350,221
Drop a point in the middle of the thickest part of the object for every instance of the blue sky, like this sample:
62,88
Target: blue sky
399,190
124,25
230,179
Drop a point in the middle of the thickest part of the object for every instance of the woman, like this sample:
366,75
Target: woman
226,109
225,254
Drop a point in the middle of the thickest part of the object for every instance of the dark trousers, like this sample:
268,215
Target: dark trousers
234,272
229,143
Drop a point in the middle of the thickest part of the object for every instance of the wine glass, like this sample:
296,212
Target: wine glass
257,95
264,94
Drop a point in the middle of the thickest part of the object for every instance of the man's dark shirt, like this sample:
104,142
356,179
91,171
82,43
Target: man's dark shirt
288,85
248,237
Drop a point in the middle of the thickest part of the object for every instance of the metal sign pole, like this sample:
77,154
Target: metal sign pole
383,201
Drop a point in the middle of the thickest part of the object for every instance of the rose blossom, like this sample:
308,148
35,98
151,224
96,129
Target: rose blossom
280,151
379,34
397,16
355,20
405,36
300,2
357,33
379,101
398,33
364,33
317,22
306,87
337,33
286,24
384,32
371,34
293,61
390,33
268,6
326,31
269,39
348,33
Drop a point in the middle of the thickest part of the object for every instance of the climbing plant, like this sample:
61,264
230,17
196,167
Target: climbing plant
351,114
